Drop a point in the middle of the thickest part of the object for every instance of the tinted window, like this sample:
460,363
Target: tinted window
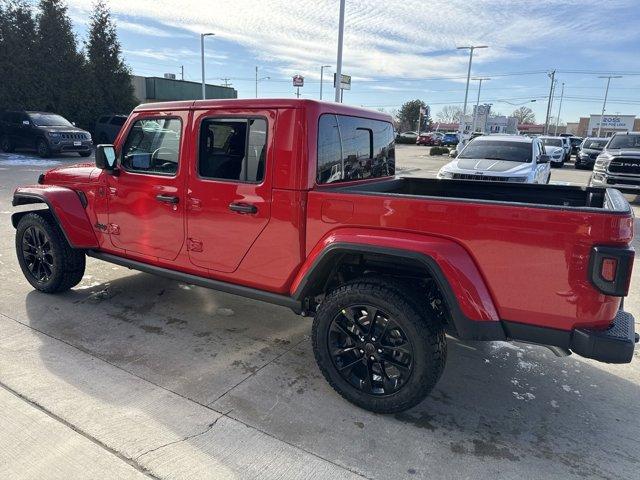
103,119
552,142
624,141
119,121
352,148
153,146
594,144
233,149
498,150
49,120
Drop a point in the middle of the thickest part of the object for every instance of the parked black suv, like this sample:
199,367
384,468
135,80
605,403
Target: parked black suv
47,133
590,148
108,127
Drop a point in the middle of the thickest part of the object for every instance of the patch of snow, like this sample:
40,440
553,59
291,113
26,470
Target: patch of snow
25,161
528,366
566,388
554,404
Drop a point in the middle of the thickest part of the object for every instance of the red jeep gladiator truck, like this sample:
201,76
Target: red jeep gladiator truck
296,202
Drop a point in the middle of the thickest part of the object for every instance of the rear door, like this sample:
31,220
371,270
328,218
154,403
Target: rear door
229,187
146,198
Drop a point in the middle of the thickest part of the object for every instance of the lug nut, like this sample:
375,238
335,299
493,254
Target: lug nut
361,351
373,339
372,358
379,350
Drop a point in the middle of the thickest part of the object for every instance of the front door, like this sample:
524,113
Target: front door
146,197
229,188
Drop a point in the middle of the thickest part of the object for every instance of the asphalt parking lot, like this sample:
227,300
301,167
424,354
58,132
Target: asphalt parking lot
131,376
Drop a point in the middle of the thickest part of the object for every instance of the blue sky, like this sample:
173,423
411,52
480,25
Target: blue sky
395,50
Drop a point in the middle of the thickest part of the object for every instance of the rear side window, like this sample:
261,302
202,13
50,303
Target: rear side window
233,149
354,148
153,146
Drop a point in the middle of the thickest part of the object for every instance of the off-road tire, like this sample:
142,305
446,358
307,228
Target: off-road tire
6,145
69,262
408,310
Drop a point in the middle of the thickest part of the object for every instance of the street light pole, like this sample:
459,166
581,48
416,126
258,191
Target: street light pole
475,112
338,97
258,79
202,35
551,75
471,48
321,77
555,132
604,104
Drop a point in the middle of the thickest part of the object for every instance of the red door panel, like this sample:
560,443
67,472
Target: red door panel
146,209
225,217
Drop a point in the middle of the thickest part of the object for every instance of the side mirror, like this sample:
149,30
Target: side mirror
106,157
544,158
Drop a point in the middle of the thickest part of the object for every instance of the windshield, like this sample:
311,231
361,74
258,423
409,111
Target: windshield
594,144
552,142
624,141
498,150
49,120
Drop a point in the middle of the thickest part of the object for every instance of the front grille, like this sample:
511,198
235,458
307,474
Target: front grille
72,136
625,166
622,181
488,178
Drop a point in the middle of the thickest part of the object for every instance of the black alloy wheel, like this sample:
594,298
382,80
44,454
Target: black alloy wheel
370,350
36,252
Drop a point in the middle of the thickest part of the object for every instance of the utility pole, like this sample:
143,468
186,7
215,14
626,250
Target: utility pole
551,75
338,96
182,72
555,132
226,82
475,112
202,35
604,104
258,79
321,77
471,48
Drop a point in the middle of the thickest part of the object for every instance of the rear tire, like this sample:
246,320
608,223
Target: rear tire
44,151
6,145
47,260
389,367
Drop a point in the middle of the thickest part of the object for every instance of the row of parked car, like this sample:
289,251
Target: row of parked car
521,159
49,133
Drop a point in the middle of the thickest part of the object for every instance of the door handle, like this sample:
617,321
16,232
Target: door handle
167,199
243,208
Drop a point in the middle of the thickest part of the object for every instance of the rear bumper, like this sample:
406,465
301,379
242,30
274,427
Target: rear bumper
614,345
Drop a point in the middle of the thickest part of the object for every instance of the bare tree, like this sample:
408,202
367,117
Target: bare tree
449,114
524,115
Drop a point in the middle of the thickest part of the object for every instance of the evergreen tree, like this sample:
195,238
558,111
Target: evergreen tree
111,78
62,69
19,86
408,115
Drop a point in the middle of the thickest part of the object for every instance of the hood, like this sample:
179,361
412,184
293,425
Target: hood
62,129
75,174
624,153
484,165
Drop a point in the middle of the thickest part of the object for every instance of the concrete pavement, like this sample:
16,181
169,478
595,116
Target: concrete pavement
131,375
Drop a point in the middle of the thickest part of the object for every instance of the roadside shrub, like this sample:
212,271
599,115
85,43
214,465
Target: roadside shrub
439,151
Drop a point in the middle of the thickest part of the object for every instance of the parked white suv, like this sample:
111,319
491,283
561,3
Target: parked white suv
500,158
558,142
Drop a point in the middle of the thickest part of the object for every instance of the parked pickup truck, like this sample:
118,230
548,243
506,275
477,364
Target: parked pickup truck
296,202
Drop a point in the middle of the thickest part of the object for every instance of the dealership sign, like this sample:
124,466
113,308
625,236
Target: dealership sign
298,81
612,122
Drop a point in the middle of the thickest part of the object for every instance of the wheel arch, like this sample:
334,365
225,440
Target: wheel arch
468,300
65,205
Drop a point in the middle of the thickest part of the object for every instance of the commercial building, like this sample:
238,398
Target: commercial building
482,121
157,89
588,126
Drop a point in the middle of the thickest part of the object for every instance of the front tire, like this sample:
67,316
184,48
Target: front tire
47,260
378,345
44,151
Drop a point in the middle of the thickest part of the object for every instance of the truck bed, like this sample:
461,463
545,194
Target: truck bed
592,199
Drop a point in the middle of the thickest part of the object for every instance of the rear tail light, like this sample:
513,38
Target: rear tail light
610,269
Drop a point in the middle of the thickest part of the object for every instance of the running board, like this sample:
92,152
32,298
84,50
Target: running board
231,288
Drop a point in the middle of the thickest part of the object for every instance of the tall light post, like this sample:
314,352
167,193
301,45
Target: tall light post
338,97
322,76
555,131
471,48
258,79
202,35
606,94
552,76
475,111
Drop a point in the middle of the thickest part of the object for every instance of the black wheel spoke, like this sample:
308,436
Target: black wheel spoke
370,350
37,254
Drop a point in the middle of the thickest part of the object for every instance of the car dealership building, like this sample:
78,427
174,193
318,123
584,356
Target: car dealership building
588,126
